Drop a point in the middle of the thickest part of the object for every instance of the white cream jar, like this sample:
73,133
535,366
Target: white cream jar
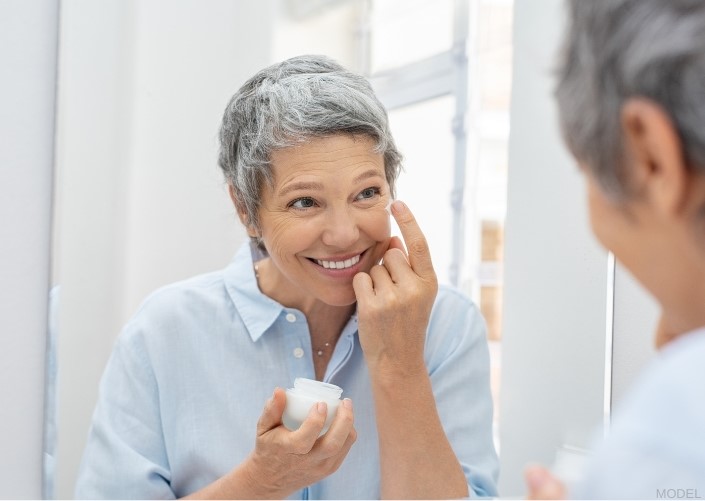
304,395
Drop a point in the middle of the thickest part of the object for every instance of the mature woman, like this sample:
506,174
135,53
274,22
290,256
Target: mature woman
631,95
311,166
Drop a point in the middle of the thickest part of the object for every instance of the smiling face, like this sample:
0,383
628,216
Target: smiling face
324,219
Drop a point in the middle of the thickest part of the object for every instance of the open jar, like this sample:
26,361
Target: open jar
304,395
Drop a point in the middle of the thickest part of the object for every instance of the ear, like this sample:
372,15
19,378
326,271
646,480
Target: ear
654,151
242,213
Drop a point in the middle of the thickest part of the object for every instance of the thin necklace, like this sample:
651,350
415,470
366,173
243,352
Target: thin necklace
320,351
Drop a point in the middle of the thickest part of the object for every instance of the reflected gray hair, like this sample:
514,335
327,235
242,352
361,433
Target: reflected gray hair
618,49
288,104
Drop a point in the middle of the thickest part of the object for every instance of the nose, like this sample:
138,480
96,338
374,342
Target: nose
340,229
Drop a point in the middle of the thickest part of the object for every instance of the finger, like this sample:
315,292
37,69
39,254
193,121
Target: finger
336,437
362,285
396,243
272,414
397,266
417,247
380,278
542,484
303,439
340,457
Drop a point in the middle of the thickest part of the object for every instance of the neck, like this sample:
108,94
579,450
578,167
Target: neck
317,312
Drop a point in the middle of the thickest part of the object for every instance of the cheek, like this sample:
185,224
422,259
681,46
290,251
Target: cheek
378,225
282,235
606,220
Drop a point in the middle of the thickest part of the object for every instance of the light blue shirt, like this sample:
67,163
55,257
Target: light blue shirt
656,445
189,376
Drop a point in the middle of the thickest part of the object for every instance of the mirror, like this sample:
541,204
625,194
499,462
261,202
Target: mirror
140,201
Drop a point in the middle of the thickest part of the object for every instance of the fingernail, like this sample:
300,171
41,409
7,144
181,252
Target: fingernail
398,206
321,407
347,403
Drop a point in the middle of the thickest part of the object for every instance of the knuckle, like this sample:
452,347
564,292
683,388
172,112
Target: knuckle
331,446
418,246
299,447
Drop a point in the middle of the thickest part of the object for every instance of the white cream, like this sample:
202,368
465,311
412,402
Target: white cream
305,394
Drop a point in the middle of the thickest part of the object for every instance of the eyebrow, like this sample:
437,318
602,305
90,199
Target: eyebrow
304,186
309,186
367,174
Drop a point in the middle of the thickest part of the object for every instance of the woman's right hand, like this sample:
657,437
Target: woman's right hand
285,461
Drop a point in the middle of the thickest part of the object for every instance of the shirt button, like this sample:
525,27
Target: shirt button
291,317
298,352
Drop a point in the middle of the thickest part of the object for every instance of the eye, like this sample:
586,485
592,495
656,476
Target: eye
303,203
368,193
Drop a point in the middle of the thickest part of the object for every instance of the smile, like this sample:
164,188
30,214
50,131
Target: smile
338,265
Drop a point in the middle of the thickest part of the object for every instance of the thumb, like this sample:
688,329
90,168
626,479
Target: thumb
542,484
273,411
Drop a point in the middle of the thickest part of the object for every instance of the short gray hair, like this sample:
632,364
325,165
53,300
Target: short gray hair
618,49
290,103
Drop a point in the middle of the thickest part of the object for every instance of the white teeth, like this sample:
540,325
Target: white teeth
339,265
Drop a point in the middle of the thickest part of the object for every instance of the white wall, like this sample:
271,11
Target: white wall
553,344
141,201
28,38
635,320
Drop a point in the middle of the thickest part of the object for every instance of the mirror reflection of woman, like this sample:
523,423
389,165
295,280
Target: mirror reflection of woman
191,401
631,94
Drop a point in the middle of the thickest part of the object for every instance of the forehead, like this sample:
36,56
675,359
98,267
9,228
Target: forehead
326,156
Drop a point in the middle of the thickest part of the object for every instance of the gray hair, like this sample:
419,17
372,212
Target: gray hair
618,49
288,104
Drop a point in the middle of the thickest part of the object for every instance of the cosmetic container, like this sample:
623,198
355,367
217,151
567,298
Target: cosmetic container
305,394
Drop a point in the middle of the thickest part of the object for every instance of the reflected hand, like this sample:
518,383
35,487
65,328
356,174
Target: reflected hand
542,484
285,461
395,299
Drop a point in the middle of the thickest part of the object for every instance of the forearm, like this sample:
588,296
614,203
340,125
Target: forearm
240,483
416,458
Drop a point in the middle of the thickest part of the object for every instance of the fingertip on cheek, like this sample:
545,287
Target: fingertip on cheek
388,207
396,207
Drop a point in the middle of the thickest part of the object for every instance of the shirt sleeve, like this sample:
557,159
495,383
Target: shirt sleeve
457,357
654,448
125,456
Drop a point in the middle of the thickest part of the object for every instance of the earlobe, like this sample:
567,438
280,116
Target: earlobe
653,147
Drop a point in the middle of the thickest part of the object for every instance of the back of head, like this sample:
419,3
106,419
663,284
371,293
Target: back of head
618,49
290,103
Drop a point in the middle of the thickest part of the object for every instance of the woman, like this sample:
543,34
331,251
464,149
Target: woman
630,94
311,166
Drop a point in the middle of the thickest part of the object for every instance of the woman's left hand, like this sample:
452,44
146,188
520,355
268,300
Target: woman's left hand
542,484
395,299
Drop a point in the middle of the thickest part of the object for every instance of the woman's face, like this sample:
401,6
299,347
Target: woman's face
324,220
629,230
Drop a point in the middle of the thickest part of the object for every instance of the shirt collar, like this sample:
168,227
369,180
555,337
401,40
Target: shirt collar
257,310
